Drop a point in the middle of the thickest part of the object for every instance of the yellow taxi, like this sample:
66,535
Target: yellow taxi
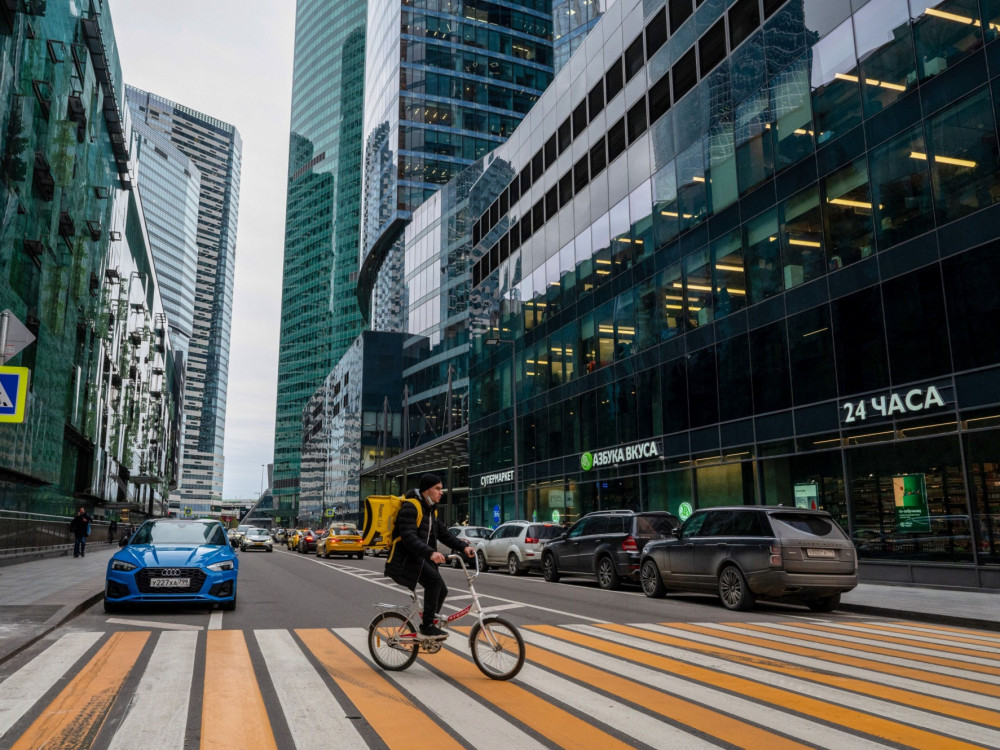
292,541
341,539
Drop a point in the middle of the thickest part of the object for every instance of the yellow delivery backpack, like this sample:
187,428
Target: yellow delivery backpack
380,520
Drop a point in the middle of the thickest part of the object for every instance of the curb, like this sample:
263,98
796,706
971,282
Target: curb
931,617
66,612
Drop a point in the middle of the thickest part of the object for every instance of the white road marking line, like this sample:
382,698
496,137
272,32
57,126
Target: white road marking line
774,719
314,716
925,638
501,608
481,726
865,703
215,620
159,706
26,686
154,624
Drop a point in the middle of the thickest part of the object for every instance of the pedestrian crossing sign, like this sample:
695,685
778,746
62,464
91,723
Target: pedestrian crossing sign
13,393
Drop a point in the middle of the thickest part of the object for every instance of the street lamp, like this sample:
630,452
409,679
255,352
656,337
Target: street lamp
495,341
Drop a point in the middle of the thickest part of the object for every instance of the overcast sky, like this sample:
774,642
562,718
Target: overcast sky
232,59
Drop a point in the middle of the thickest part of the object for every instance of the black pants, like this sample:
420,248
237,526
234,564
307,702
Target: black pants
435,591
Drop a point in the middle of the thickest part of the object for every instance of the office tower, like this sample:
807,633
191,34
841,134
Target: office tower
572,20
319,311
215,148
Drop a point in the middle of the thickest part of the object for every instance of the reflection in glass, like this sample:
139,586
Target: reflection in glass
763,257
901,187
885,52
802,239
672,301
730,279
794,131
754,149
847,215
666,210
945,33
692,204
836,91
698,289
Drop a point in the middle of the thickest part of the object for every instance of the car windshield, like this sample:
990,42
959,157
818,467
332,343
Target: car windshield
808,524
654,525
346,531
173,532
243,529
474,532
545,531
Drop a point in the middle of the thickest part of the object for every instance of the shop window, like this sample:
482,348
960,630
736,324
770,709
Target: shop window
944,33
666,491
649,420
859,342
901,188
802,239
763,257
754,148
836,90
729,274
962,146
744,18
847,215
735,387
914,309
769,361
666,209
712,47
887,69
703,395
691,190
811,480
671,293
794,132
699,296
973,306
810,352
982,456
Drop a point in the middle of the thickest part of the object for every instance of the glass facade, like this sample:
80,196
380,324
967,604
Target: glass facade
755,273
319,311
572,20
215,147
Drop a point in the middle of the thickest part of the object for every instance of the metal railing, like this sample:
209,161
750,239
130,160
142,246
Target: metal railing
22,532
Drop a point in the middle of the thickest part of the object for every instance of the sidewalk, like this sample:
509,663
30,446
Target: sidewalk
38,596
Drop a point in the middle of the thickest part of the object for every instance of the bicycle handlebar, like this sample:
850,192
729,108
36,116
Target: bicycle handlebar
461,559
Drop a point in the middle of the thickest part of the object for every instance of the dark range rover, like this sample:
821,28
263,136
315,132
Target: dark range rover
606,544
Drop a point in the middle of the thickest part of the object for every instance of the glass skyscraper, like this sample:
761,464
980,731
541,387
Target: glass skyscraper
319,310
571,21
215,148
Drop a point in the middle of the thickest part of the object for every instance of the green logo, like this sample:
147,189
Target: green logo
587,461
684,511
555,516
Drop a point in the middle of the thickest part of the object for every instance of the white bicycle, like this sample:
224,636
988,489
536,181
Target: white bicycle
496,645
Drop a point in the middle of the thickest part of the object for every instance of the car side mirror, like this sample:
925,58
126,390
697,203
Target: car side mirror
676,532
123,541
564,535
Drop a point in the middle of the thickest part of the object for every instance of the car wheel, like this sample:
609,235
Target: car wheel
549,569
652,584
514,565
734,591
482,562
607,575
824,603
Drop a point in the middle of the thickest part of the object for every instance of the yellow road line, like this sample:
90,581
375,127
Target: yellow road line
853,684
994,637
893,628
395,718
233,713
75,717
803,704
913,641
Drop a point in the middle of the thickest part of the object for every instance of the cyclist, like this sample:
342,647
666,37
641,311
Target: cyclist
413,555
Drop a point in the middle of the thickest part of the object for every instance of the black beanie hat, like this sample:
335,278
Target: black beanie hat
427,481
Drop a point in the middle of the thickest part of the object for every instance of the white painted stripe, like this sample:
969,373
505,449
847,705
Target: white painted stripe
153,624
502,607
650,730
20,691
984,635
819,735
898,661
919,637
881,678
215,620
481,726
864,703
159,706
314,717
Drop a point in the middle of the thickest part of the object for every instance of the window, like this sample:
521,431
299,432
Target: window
637,120
634,59
859,339
901,187
598,158
692,527
580,175
565,189
656,33
802,239
680,11
718,523
550,152
579,119
616,140
847,215
914,311
887,68
659,98
552,202
973,305
810,350
564,136
595,100
685,74
750,523
712,46
744,18
613,80
769,360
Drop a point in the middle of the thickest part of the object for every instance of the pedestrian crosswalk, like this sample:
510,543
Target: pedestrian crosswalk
808,683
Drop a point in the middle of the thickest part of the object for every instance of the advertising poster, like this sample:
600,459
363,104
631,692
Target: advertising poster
910,494
807,495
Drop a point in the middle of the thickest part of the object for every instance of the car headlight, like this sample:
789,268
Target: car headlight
219,566
122,566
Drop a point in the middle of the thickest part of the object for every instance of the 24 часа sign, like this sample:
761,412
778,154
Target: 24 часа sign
622,454
896,404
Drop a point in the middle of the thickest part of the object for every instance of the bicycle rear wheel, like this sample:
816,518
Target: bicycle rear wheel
497,648
392,642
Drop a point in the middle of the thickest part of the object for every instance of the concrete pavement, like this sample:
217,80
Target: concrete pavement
39,595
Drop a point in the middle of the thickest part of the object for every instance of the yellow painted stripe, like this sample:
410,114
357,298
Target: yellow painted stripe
874,649
913,641
233,715
994,637
803,704
552,722
893,628
705,720
395,718
75,717
855,685
944,680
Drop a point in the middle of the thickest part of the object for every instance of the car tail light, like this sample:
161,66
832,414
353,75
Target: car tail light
531,540
629,545
776,555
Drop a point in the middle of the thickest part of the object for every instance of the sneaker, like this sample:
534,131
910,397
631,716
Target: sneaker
432,631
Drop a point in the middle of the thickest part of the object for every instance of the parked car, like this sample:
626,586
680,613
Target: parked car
516,546
173,560
606,544
745,553
306,542
279,536
468,534
342,539
292,540
256,538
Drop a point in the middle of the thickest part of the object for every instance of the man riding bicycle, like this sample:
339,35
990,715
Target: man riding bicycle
413,555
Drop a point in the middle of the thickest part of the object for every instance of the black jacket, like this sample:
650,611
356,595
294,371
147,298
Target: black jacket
79,525
416,543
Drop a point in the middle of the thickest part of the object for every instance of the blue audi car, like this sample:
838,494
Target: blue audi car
173,560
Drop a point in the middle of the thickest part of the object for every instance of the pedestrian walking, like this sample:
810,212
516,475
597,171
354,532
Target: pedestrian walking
112,531
80,526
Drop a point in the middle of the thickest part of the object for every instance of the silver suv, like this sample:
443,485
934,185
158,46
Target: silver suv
516,545
742,553
468,534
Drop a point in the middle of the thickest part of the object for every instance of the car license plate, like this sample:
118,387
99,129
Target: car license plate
821,553
169,583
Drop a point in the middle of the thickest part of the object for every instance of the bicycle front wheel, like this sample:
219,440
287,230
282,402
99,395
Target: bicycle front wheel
497,648
392,641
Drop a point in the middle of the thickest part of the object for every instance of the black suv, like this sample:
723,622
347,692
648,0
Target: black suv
607,543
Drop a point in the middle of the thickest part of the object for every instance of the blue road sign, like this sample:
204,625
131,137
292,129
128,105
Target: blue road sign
496,514
13,393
